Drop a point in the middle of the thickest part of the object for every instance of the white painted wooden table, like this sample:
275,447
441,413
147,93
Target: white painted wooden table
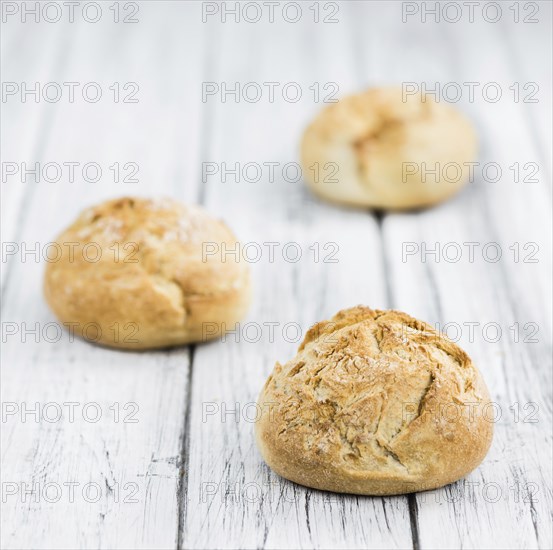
106,449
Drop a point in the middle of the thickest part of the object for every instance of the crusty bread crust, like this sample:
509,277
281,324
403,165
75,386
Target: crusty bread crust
374,403
369,136
152,286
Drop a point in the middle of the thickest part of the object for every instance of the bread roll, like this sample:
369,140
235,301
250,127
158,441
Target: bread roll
144,274
374,403
378,149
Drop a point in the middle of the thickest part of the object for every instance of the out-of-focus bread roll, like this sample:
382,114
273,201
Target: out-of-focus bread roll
379,149
153,284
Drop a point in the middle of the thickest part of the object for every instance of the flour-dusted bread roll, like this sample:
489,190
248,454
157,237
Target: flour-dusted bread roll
378,149
374,403
147,274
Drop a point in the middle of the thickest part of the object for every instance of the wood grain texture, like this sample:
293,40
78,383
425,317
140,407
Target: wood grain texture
525,46
133,454
241,503
515,493
187,474
25,126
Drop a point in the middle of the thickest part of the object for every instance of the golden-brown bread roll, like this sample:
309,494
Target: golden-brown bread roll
374,403
378,149
153,284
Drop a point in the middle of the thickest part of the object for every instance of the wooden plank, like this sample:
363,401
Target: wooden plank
137,467
505,502
110,483
528,46
24,126
517,463
233,499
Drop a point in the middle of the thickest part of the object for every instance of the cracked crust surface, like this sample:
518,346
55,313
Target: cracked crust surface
150,286
369,136
374,403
